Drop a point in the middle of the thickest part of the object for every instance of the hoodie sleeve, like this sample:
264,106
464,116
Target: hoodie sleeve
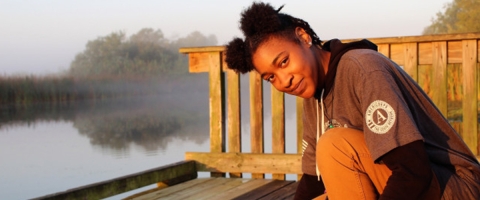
412,176
309,187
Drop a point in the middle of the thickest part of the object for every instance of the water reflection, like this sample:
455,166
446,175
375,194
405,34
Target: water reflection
114,125
49,148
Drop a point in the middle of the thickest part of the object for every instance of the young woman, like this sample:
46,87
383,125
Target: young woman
370,131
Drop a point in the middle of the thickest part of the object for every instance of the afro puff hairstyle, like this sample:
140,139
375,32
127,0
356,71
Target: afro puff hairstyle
258,23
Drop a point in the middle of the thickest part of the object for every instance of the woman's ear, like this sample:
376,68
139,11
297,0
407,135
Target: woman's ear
303,36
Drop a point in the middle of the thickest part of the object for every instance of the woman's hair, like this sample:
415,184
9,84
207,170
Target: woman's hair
260,22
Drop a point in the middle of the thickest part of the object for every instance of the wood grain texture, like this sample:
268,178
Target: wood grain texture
411,60
247,162
425,50
397,53
439,76
299,117
278,125
161,192
470,101
169,174
247,186
234,116
199,188
265,190
256,116
217,135
384,49
454,52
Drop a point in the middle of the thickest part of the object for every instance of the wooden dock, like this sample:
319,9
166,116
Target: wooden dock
223,188
447,67
180,181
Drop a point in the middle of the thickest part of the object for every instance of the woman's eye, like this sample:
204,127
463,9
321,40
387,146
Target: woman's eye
284,62
270,78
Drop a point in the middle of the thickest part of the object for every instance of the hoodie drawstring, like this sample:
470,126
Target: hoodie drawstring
318,130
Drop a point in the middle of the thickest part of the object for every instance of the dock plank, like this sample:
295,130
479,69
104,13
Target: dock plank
264,190
158,193
223,188
194,190
246,187
212,191
287,192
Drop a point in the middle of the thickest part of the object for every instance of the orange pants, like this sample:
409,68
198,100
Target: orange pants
346,167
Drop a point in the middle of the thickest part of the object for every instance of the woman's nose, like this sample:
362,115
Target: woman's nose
285,81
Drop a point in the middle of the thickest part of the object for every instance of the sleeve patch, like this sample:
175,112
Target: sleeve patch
380,117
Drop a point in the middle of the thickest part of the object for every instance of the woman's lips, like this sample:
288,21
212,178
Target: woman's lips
298,88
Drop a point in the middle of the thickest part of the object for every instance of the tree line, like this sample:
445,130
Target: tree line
459,16
146,53
113,66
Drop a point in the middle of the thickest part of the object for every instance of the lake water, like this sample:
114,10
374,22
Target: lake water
48,148
49,157
51,148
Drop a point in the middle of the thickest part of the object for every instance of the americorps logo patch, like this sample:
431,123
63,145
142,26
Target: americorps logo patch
380,117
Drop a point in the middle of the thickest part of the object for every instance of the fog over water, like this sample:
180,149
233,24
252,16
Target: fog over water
43,37
52,147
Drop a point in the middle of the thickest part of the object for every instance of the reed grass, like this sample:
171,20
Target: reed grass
58,89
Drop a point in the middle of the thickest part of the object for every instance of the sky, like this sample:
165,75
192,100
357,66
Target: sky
41,37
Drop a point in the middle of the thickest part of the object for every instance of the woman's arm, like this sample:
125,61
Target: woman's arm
309,187
412,176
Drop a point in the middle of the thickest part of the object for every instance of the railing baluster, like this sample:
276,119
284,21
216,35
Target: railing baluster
470,102
256,116
278,125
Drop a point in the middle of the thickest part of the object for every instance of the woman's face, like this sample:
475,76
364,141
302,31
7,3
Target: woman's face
289,66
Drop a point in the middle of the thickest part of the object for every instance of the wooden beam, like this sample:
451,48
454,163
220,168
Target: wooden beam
278,125
439,91
247,162
299,117
217,135
423,38
454,52
256,115
215,103
380,40
470,104
425,53
169,175
233,118
478,53
397,54
188,50
384,49
411,60
199,62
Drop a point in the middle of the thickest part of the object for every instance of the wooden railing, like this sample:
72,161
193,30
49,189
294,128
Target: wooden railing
445,66
163,176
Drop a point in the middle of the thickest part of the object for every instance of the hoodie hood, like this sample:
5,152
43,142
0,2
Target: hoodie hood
337,49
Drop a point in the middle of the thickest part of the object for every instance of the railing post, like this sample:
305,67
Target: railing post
470,104
299,116
439,76
233,118
278,125
411,60
256,116
217,136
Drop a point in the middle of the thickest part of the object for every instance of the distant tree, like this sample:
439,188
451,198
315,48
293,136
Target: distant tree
100,56
194,39
149,36
146,53
460,16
